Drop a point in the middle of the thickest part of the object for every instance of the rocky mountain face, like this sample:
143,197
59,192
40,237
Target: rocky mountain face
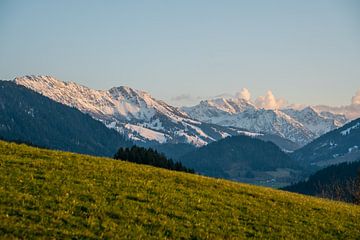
300,126
318,123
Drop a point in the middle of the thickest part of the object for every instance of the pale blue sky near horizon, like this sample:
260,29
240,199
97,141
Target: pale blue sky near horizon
304,51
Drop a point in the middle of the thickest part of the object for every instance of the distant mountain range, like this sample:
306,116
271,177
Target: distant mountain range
299,126
339,145
27,116
139,116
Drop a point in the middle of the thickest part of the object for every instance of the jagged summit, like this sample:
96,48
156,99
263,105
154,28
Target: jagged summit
230,105
300,126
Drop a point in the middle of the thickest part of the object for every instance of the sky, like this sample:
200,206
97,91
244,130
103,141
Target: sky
305,52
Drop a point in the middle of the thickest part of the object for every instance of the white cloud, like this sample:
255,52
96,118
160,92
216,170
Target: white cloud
244,94
351,111
356,99
223,95
269,101
182,97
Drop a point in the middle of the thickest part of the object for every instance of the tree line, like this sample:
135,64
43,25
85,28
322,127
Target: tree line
337,182
151,157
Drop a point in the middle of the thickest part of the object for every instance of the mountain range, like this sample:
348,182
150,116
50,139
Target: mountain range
300,126
137,115
134,113
64,115
149,121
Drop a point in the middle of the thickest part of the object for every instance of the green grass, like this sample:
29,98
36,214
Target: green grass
50,194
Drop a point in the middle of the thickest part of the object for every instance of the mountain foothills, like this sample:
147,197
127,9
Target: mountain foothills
340,145
300,126
244,159
27,116
50,194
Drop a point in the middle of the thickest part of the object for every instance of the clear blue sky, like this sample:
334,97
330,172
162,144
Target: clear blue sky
304,51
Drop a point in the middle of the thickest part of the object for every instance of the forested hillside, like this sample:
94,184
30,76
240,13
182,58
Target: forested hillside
27,116
245,159
339,182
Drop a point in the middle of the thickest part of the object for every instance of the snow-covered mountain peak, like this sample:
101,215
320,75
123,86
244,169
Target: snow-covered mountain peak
300,126
132,96
124,102
208,110
40,82
230,105
309,110
44,81
127,92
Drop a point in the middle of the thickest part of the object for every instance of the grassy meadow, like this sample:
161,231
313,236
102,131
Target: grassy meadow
51,194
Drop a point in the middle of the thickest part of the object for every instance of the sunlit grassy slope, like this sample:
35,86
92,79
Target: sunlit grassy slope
46,194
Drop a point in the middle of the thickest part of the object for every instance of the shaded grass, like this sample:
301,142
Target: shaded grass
45,194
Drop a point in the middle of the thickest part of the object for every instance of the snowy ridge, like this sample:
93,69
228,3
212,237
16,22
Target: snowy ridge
300,126
131,112
348,130
317,122
339,145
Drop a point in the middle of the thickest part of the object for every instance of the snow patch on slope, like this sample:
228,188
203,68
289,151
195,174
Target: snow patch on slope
147,133
348,130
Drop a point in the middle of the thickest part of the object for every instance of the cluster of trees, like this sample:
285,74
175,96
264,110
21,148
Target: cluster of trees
149,157
348,191
338,182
